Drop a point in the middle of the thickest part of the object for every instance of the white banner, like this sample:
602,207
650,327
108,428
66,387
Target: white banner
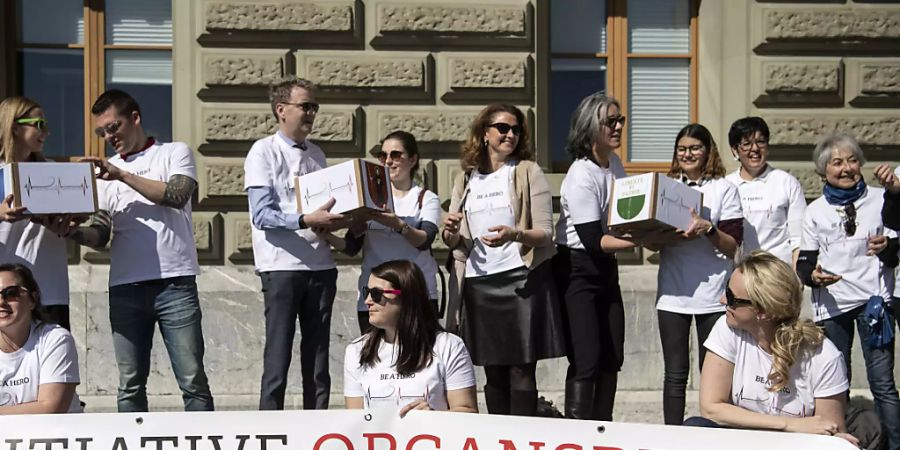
375,430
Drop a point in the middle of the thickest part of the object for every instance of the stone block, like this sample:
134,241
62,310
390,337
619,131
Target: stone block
829,31
365,77
291,24
878,84
222,185
438,131
297,16
802,77
807,130
243,70
801,82
208,233
880,78
480,79
808,23
230,130
244,77
241,242
462,25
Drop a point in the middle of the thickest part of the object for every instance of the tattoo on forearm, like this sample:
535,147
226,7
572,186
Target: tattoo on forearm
178,191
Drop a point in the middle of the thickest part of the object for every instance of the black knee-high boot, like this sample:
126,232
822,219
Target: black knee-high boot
497,399
580,399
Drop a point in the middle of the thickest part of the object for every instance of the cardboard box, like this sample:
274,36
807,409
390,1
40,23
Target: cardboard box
50,187
356,185
651,202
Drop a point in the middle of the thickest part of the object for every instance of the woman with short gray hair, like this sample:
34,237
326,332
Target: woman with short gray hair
585,264
847,256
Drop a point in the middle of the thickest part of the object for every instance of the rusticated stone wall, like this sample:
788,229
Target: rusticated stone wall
821,67
421,66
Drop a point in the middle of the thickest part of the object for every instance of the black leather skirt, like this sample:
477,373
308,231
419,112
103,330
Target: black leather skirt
512,317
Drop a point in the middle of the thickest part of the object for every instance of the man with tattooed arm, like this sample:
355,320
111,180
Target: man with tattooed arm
144,194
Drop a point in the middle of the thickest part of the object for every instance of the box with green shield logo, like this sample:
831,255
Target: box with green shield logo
651,202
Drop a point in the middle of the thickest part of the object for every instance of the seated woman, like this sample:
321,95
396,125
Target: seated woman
406,360
766,368
38,362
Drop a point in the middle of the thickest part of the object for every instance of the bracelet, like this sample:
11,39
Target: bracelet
403,229
518,237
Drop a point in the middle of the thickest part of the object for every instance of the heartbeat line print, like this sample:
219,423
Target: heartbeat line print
55,184
329,189
678,201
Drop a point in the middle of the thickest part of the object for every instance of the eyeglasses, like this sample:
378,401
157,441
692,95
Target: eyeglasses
748,145
691,148
10,293
108,129
850,219
733,302
377,294
611,121
305,106
37,122
503,128
395,155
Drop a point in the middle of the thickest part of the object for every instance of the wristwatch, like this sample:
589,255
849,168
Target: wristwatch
301,222
712,230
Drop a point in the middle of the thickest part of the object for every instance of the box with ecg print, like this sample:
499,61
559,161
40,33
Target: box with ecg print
50,187
651,202
356,186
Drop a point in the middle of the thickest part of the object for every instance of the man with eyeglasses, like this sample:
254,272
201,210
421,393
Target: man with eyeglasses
144,194
298,273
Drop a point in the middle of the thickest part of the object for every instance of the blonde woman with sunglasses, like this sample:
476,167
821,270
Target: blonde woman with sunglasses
37,243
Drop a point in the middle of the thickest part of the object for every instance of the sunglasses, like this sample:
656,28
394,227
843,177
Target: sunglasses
395,155
611,121
733,302
108,129
503,128
305,106
377,294
12,292
37,122
850,219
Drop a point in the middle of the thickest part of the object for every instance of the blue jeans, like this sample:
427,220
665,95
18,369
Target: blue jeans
879,366
134,310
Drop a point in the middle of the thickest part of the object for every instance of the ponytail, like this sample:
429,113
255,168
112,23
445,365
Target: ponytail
791,337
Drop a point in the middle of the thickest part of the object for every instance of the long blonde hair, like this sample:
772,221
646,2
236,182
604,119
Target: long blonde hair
11,109
775,290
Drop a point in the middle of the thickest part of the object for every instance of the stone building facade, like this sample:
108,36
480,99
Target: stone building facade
427,67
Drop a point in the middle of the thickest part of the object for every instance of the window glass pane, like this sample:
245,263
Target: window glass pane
659,26
55,79
147,22
51,21
659,106
570,81
147,76
578,26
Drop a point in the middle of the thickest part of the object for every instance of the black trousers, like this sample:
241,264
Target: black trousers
594,313
289,296
675,333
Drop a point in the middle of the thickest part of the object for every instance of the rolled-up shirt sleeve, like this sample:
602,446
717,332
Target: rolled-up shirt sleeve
265,213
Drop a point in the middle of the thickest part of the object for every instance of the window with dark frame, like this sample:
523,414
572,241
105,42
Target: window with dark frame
644,53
